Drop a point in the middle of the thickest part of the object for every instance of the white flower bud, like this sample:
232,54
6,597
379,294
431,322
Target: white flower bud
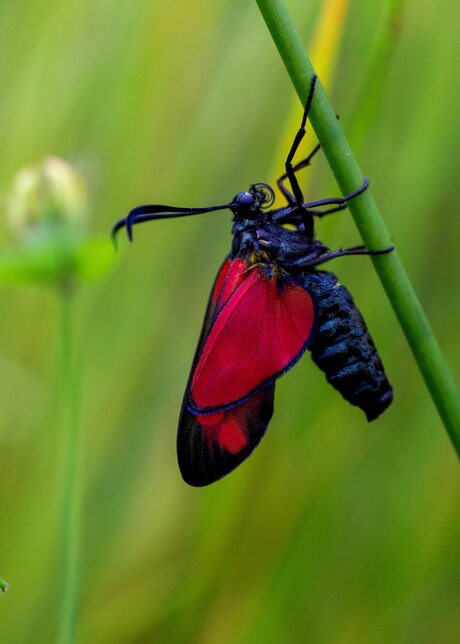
49,194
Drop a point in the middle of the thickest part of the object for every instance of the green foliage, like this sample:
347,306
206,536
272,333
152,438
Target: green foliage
335,530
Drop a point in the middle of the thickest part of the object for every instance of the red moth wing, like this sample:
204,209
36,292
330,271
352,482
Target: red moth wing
260,331
220,279
227,283
230,274
210,446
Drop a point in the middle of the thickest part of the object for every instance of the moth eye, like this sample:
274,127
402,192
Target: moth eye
245,199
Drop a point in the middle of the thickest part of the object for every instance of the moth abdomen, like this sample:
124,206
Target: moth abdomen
343,348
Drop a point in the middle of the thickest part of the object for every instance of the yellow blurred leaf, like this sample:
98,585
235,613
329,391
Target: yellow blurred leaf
325,46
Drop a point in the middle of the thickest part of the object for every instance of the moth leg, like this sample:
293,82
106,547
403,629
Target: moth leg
338,201
322,213
341,252
298,166
290,173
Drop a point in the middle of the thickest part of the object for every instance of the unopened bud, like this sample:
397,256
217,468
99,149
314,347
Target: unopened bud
49,195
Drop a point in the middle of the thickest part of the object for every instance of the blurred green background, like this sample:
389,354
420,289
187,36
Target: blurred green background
334,531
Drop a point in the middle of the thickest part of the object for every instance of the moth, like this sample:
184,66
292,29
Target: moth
268,305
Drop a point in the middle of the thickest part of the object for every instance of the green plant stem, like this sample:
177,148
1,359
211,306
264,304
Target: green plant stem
69,596
368,219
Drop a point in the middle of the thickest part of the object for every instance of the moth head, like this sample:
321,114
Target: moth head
258,196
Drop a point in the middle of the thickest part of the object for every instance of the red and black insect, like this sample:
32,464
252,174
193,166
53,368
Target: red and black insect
267,306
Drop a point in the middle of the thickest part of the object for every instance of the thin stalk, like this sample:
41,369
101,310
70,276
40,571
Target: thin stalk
69,595
368,219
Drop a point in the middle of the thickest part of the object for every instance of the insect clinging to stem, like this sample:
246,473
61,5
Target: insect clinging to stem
268,305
